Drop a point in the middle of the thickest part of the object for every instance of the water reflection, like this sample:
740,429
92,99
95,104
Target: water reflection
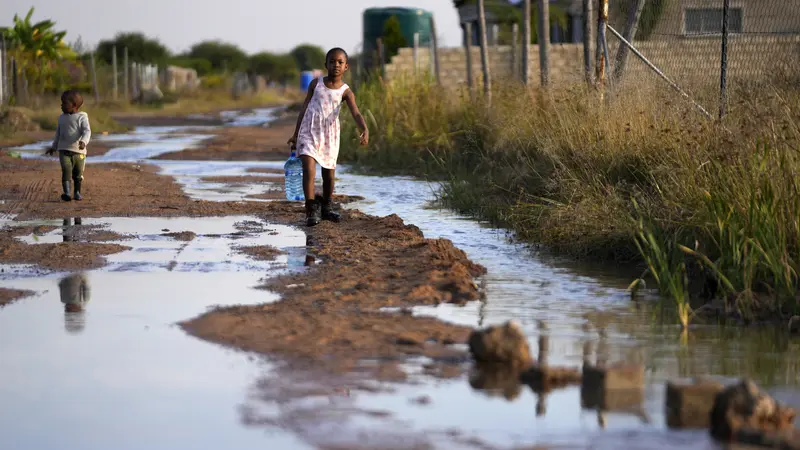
75,293
70,233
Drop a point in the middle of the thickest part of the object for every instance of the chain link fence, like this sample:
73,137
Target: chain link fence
721,52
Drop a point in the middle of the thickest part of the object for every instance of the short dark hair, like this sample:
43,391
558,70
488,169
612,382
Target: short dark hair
73,98
336,50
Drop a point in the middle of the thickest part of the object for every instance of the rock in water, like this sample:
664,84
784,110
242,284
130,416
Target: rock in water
505,344
744,408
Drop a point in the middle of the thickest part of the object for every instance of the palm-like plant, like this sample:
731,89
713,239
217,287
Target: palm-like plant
36,47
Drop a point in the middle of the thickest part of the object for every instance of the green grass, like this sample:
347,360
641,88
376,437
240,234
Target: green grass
710,210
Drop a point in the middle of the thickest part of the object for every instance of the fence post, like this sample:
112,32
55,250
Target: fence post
602,21
382,58
587,40
435,52
416,54
723,82
630,32
526,39
468,50
94,80
514,49
2,69
487,80
14,79
114,70
544,41
126,79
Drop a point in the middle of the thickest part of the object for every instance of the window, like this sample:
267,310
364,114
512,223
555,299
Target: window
709,20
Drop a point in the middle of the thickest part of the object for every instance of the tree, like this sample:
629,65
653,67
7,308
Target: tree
141,49
221,55
308,57
278,68
393,39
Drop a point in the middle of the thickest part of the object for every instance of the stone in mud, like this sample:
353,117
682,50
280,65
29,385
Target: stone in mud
612,388
504,344
689,403
542,378
745,410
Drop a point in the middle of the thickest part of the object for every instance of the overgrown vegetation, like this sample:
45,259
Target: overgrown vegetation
711,211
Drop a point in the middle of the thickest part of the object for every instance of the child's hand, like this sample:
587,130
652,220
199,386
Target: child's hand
81,145
49,151
365,138
292,142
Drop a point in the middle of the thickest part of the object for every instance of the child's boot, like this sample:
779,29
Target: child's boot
65,196
327,211
78,195
312,212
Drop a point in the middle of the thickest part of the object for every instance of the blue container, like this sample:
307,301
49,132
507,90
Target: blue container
293,178
306,77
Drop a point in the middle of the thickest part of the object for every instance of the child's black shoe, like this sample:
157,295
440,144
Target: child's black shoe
78,195
327,211
65,196
312,213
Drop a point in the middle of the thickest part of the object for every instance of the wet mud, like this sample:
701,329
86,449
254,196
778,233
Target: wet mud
330,316
260,252
10,295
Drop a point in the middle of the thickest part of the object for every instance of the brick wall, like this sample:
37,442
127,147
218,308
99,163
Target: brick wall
691,63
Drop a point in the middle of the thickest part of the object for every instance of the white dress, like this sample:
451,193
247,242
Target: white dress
320,129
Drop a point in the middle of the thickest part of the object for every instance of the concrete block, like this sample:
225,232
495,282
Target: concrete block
618,387
689,403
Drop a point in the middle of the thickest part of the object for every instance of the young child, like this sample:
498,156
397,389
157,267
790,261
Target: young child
72,137
316,136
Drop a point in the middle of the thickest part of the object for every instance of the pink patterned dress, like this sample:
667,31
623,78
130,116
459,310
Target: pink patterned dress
320,129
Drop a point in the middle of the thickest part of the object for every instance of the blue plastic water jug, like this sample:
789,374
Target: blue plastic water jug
293,178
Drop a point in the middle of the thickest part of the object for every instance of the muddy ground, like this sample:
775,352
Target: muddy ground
329,317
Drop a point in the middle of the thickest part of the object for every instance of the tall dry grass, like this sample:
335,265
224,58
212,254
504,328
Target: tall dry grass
596,179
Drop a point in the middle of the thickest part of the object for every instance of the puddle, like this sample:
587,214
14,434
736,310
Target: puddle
256,118
102,345
162,280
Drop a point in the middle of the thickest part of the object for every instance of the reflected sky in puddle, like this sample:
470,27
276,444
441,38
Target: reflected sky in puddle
127,347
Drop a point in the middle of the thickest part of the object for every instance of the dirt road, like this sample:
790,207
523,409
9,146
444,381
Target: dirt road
330,316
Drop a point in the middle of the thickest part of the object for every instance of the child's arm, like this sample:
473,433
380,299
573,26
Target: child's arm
309,94
350,98
86,131
54,146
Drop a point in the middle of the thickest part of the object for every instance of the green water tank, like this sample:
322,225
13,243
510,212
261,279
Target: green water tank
412,20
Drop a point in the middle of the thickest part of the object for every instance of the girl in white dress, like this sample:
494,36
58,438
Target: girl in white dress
316,136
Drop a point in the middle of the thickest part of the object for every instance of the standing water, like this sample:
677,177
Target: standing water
293,172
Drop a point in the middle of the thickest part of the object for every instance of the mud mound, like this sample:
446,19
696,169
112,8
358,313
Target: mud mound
331,314
260,252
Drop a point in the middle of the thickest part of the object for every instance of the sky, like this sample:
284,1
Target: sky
254,25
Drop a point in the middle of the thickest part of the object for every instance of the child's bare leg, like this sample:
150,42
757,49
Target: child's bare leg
312,206
328,177
309,174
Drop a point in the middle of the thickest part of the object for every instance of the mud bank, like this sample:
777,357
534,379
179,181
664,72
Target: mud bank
9,295
329,317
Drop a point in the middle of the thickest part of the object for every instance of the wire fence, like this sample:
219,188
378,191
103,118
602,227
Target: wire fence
27,83
716,50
